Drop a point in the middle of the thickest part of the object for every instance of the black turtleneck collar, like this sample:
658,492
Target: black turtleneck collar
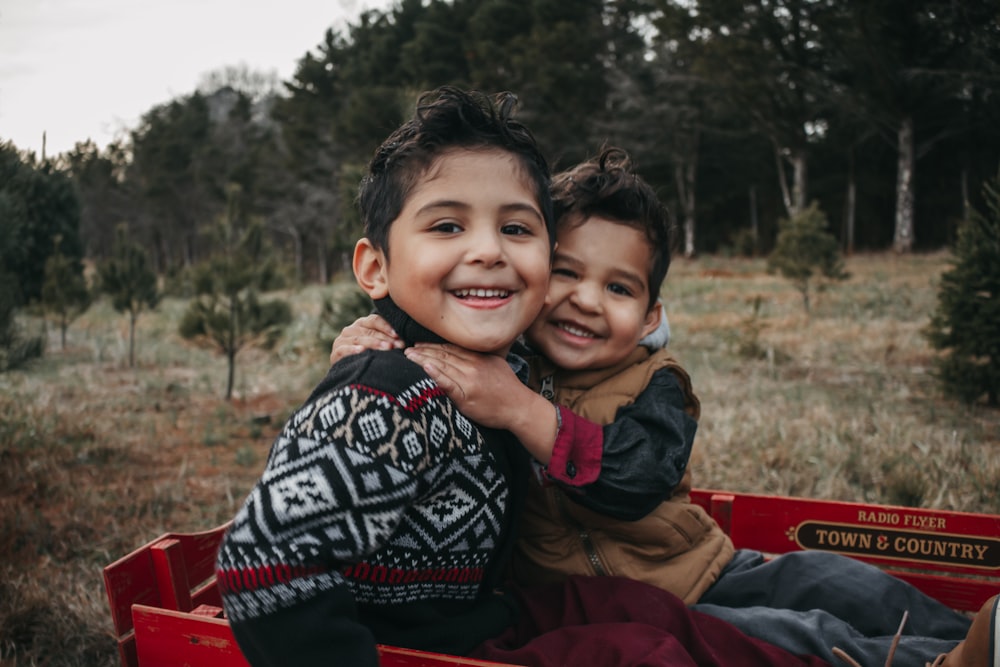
408,329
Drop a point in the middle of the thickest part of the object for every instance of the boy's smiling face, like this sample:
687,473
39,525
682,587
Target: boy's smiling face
469,252
597,308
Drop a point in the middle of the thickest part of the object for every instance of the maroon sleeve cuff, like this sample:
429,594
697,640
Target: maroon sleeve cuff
576,455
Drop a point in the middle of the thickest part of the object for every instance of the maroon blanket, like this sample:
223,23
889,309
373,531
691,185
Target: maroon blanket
613,622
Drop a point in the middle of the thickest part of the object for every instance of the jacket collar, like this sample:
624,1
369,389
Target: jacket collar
582,379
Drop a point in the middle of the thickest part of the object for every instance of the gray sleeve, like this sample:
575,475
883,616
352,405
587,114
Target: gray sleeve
645,453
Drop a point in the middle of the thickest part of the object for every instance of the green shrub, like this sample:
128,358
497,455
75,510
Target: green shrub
803,247
15,349
966,324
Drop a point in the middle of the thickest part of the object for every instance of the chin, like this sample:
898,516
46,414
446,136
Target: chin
489,347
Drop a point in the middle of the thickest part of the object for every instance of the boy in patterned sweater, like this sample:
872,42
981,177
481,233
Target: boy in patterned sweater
383,514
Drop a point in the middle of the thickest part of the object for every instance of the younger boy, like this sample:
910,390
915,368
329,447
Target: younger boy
611,258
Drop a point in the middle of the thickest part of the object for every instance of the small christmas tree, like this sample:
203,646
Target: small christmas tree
226,311
131,283
64,290
803,247
966,324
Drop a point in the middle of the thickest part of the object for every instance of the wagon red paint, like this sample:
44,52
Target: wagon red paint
166,609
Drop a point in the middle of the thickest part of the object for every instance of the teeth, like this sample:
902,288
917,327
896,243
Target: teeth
482,293
569,328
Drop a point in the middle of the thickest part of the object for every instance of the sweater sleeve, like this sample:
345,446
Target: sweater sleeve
644,452
337,483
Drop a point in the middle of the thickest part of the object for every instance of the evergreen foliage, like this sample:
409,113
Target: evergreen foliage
339,310
227,311
966,324
739,113
130,281
38,204
15,348
64,291
805,246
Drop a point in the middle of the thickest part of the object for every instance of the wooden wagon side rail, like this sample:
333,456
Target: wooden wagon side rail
203,638
952,556
166,608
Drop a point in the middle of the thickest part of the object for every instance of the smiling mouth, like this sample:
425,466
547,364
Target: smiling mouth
482,293
575,330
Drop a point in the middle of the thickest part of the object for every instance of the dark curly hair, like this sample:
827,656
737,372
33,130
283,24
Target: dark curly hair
444,119
607,186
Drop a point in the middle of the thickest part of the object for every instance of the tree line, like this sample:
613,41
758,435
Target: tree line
880,120
741,112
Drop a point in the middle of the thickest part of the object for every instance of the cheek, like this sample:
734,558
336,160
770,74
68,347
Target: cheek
537,261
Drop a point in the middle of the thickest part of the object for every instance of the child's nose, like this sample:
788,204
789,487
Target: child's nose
485,247
587,297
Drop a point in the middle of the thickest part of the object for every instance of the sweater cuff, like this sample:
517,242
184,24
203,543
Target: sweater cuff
576,455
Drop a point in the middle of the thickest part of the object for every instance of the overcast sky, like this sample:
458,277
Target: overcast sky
79,69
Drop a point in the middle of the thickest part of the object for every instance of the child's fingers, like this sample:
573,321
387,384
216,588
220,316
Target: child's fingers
339,351
450,386
367,333
345,346
376,323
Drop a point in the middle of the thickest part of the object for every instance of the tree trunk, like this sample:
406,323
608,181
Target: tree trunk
786,196
299,259
800,170
132,315
231,355
903,238
850,206
794,199
63,325
321,266
684,175
966,206
754,224
231,347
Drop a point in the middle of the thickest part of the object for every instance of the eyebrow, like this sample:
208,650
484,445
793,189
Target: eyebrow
513,207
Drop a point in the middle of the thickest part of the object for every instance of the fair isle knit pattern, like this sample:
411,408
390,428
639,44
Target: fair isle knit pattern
391,494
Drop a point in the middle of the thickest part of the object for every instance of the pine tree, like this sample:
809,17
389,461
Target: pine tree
131,283
966,324
804,246
64,289
227,311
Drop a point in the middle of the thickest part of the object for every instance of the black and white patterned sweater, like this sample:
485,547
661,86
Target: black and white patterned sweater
383,516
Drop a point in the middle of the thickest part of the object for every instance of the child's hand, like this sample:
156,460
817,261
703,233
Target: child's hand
485,389
371,332
474,381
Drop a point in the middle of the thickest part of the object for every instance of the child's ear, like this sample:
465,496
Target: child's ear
652,319
370,266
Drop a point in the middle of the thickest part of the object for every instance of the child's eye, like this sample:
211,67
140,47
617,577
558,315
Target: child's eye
515,229
446,227
617,288
566,273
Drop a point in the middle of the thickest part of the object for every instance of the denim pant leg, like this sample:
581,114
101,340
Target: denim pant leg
818,632
870,600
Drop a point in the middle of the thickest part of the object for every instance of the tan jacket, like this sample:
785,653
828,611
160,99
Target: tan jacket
677,546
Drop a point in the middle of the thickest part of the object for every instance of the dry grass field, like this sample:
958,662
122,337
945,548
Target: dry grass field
97,458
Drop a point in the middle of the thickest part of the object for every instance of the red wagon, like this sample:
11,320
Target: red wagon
166,609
